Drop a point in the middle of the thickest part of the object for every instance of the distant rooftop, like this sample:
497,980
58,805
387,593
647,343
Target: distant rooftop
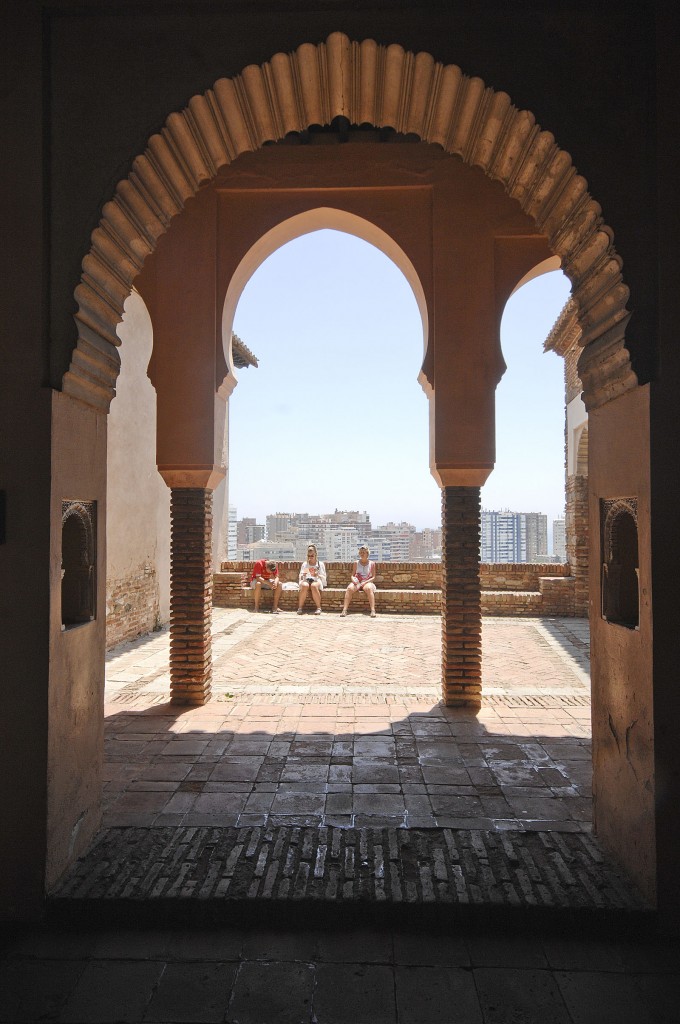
241,354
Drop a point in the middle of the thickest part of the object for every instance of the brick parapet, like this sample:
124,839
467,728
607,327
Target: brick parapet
507,589
191,593
519,576
415,575
461,597
389,575
577,526
132,605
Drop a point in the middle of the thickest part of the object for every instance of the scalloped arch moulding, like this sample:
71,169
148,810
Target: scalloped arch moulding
365,83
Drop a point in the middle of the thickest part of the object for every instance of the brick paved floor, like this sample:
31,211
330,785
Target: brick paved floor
353,760
323,721
326,768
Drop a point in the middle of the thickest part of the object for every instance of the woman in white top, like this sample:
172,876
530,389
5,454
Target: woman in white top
362,579
312,579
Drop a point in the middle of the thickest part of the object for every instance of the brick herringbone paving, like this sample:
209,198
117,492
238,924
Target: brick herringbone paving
326,764
463,866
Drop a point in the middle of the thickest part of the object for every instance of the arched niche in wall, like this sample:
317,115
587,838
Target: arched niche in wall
78,562
620,562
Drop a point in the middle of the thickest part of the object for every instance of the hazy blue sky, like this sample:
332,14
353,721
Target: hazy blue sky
334,416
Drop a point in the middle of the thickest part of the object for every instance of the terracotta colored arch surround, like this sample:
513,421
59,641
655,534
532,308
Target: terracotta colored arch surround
183,168
365,83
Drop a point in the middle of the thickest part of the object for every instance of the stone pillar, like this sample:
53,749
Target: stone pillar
461,597
190,595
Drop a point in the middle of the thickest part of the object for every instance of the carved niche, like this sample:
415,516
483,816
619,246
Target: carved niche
78,562
620,561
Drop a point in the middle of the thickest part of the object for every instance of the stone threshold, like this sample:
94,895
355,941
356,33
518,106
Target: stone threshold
213,873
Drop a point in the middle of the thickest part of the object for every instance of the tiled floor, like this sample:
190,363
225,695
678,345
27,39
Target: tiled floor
330,721
361,975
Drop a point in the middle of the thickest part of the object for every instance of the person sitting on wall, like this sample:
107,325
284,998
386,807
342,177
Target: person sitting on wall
312,579
363,578
266,574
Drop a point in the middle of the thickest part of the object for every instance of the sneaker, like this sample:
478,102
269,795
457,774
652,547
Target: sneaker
318,611
300,611
342,614
372,615
275,611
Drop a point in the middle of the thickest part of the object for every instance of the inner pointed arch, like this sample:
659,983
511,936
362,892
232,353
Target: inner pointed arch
319,219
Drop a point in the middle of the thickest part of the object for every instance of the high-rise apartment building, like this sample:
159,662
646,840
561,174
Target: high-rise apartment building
536,531
514,536
336,534
426,546
248,531
559,540
503,536
232,532
395,537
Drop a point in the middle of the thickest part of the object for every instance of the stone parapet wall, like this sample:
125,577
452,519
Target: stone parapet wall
396,602
519,575
557,596
512,589
132,605
389,575
419,575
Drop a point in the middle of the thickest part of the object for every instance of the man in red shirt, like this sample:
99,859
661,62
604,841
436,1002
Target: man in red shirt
266,574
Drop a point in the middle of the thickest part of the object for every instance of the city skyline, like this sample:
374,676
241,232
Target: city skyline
334,415
505,536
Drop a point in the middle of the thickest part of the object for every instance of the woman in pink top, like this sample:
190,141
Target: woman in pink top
363,579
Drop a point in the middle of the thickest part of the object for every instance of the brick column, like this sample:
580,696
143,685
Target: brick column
577,540
461,597
190,595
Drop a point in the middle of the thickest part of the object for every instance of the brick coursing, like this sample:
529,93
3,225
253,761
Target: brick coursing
191,592
132,605
519,575
210,869
411,588
461,597
577,539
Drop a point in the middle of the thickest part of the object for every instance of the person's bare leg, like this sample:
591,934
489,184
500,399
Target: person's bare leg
349,594
304,587
370,594
258,594
276,587
316,595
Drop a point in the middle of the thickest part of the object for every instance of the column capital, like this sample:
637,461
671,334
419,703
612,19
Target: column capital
461,475
203,477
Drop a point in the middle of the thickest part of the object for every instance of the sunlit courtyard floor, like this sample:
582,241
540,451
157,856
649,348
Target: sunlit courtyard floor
330,721
275,855
326,768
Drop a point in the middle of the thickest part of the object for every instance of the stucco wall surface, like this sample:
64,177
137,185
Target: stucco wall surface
138,501
621,672
76,681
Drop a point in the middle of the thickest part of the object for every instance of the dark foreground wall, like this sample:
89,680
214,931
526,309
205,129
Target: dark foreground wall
85,84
